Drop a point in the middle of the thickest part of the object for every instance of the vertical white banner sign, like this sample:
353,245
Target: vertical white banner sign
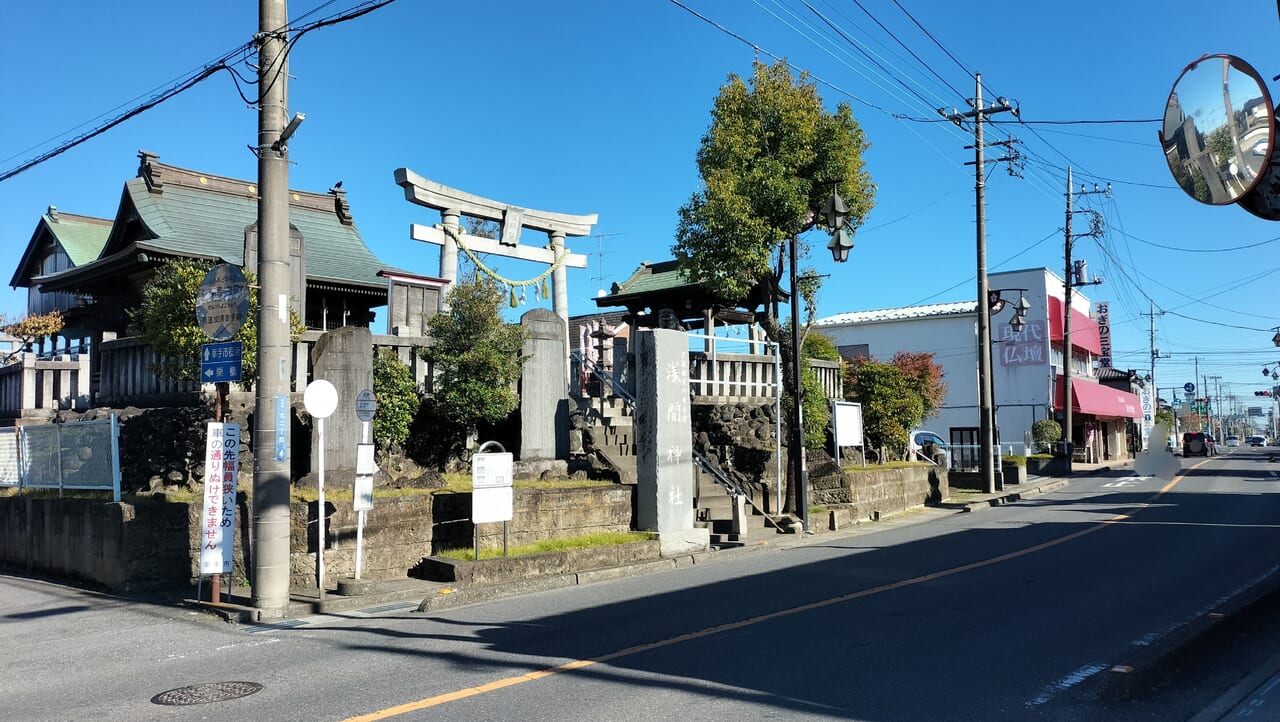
218,519
1104,334
1148,415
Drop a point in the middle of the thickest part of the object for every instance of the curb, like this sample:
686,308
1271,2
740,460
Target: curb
1146,668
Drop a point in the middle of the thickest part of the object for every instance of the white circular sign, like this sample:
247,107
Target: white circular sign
320,399
366,405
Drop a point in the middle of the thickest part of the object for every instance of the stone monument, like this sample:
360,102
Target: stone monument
664,442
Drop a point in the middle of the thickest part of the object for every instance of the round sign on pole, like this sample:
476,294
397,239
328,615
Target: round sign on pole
1189,387
320,399
222,303
366,405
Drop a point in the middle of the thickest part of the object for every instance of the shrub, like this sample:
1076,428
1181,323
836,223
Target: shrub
1046,433
398,400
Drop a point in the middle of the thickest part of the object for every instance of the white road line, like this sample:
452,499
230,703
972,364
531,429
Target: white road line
1067,682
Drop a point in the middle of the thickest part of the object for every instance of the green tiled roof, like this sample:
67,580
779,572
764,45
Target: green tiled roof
660,276
195,221
81,237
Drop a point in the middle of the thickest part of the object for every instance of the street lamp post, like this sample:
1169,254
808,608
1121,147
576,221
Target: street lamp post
996,304
835,213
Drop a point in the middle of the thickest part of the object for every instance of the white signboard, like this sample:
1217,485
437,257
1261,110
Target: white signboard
363,493
491,494
366,467
848,423
1148,415
218,519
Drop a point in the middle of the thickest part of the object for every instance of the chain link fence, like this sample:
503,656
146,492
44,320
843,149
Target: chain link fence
81,455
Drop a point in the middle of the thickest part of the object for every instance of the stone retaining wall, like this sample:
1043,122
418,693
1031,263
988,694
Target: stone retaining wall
855,496
153,545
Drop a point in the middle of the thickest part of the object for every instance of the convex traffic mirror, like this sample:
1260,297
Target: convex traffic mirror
1219,128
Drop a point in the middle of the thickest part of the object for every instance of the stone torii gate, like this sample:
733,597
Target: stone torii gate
453,203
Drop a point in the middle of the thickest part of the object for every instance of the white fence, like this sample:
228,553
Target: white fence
82,455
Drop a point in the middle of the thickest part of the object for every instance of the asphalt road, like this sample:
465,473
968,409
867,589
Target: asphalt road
1017,612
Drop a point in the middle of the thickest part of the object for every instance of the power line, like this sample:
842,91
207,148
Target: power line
203,73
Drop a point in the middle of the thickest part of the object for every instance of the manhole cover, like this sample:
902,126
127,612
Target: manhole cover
205,693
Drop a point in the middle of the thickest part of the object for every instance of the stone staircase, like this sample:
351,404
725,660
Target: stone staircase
732,521
613,434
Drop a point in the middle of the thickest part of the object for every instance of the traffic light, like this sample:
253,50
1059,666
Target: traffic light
1261,393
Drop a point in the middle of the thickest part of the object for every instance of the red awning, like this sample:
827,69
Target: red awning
1084,330
1088,397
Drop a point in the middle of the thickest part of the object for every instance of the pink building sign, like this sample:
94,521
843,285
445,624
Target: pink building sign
1028,347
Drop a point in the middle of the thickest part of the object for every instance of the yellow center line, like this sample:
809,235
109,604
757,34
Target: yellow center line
709,631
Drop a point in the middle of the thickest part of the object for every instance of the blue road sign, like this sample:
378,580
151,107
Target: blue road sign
1189,387
220,361
282,426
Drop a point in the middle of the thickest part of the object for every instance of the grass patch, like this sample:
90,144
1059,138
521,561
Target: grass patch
818,509
885,466
599,539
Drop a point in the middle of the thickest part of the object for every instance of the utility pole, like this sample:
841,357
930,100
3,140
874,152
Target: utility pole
986,452
272,408
1069,282
1217,405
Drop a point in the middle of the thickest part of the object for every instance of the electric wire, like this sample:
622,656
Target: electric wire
203,73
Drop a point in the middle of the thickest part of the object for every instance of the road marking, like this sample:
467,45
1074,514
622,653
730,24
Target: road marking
498,684
1066,683
1126,481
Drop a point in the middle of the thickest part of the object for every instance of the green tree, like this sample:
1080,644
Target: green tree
769,161
1164,415
398,400
1222,146
925,378
476,359
166,321
817,410
891,407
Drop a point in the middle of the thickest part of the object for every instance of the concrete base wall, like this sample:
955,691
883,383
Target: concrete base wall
868,495
153,545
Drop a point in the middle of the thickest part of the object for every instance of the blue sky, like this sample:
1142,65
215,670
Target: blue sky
582,106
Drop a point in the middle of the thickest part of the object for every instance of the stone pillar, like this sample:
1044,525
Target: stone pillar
344,358
560,290
559,278
664,442
449,253
544,401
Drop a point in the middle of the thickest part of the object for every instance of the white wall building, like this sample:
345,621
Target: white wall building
1026,366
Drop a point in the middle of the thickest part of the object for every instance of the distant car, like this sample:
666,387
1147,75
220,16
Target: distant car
1257,441
1195,443
1261,147
1233,441
919,439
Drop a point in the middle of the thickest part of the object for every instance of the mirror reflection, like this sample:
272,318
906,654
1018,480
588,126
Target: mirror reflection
1218,129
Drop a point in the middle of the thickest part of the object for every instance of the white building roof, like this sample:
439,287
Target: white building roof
931,310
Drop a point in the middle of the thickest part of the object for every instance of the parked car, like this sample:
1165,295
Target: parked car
1257,441
1195,443
1233,440
918,439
